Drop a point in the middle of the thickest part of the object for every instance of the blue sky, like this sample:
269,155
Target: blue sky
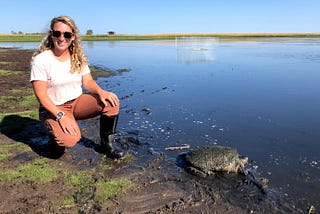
164,16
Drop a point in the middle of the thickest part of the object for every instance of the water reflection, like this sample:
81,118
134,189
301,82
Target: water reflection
195,49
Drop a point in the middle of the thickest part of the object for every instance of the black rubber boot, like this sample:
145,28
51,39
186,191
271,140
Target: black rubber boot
108,127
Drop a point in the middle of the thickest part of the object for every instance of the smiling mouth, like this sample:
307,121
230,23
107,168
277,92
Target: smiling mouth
61,43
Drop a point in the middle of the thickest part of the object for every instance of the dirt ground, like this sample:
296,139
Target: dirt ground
161,185
14,60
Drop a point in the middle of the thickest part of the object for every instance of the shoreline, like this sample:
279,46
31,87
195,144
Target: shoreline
168,36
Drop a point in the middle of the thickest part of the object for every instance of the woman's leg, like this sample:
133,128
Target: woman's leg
89,105
53,127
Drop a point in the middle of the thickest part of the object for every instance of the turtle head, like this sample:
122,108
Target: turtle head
243,160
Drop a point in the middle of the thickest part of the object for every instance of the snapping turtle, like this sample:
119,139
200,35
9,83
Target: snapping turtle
206,160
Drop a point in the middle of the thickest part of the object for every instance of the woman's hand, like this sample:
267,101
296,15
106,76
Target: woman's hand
69,125
108,98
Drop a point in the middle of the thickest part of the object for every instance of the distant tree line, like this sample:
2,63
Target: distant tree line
20,33
89,32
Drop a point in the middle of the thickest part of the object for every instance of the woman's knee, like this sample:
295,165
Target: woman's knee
59,136
111,110
68,141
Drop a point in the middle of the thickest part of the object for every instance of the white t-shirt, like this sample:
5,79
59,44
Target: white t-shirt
63,86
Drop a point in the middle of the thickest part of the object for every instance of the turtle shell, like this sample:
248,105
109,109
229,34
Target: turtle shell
211,158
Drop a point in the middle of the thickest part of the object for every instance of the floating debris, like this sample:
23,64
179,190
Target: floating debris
183,146
312,210
147,111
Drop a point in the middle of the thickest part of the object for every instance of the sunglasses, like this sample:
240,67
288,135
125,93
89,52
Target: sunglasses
57,34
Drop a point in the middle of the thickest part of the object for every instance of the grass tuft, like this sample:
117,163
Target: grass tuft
107,189
63,202
38,171
7,150
79,179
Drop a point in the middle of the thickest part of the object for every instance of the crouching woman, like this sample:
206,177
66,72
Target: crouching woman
59,69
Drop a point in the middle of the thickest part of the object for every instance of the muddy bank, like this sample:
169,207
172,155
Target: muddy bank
157,184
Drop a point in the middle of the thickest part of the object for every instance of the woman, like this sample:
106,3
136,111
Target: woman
58,70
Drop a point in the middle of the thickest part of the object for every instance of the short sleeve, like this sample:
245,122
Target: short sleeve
38,70
86,70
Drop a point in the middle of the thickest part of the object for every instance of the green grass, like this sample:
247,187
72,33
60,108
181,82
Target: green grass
107,189
24,97
20,38
18,98
85,185
38,171
8,150
32,114
13,102
97,72
8,72
79,179
4,154
63,202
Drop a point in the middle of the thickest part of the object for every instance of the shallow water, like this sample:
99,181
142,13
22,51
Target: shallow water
259,96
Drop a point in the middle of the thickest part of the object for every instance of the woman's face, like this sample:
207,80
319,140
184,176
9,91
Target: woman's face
62,36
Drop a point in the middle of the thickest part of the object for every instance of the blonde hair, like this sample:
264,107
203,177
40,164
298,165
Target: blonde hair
78,59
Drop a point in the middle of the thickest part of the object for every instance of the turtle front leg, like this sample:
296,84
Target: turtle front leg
196,171
236,167
231,168
242,162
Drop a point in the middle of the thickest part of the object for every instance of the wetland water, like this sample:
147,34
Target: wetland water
259,96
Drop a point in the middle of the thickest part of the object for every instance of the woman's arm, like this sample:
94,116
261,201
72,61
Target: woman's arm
40,90
67,124
91,85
